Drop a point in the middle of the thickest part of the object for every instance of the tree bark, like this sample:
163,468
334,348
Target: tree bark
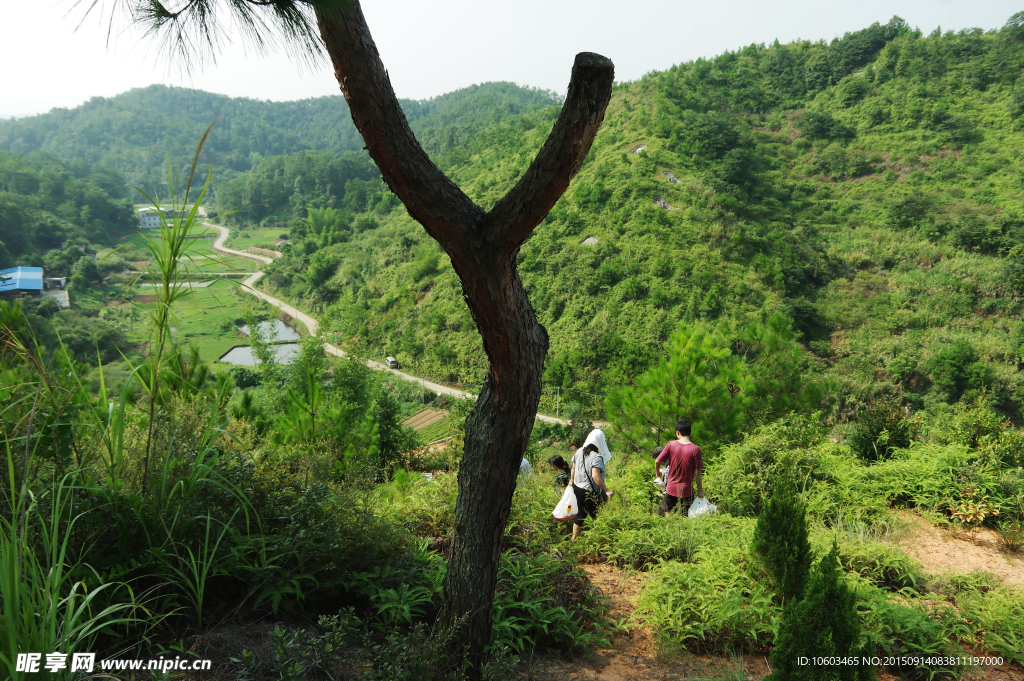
483,248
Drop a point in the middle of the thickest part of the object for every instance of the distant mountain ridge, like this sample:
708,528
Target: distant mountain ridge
133,132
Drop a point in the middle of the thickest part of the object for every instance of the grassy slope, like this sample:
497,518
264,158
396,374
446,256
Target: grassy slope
819,228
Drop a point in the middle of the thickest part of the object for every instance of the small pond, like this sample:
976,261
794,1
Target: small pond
274,331
241,355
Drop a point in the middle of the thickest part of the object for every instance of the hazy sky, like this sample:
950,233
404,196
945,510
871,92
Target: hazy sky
431,47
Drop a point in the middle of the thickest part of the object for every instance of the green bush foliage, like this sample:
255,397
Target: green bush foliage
997,616
709,603
881,429
794,451
780,546
882,564
912,628
822,623
722,379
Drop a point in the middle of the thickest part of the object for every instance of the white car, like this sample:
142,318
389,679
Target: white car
391,363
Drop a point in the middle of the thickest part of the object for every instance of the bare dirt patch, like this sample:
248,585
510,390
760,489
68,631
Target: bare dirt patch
941,552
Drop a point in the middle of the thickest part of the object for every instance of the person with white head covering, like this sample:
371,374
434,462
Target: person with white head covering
597,437
588,467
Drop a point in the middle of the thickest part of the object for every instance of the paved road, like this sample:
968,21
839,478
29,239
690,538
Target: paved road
312,325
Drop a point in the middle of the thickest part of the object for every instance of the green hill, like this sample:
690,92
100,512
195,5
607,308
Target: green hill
45,202
133,132
869,188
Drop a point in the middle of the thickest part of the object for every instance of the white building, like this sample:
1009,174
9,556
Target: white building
150,218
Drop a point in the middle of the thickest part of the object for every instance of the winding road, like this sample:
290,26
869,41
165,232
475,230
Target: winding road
312,325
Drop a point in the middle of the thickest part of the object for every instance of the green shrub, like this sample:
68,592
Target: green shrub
793,451
997,617
822,623
634,537
952,585
957,368
912,627
820,125
882,428
710,603
884,565
245,377
780,547
995,613
925,476
639,539
544,601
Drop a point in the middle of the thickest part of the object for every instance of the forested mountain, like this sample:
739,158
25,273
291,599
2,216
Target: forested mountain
870,189
45,201
134,131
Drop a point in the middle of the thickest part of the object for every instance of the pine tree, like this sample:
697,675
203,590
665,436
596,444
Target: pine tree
780,547
821,624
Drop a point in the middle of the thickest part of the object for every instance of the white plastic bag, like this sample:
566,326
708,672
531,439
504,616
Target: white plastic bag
567,508
702,506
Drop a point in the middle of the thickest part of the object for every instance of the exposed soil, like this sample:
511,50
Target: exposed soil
940,551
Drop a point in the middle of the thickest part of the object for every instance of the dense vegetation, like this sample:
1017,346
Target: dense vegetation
134,516
868,189
810,227
133,132
51,213
45,202
281,187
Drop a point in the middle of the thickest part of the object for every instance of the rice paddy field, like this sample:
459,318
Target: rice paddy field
260,237
200,254
208,313
205,315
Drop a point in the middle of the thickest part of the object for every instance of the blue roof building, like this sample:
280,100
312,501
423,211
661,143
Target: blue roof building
18,279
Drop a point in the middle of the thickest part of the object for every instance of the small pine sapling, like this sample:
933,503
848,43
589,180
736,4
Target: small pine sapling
823,623
780,547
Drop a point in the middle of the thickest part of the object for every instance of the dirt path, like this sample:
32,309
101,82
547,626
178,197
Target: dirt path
940,552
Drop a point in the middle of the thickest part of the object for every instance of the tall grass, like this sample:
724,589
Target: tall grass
173,268
44,609
50,600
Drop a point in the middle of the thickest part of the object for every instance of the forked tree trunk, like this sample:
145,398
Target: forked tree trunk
483,248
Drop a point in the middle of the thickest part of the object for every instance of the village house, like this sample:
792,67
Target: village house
150,218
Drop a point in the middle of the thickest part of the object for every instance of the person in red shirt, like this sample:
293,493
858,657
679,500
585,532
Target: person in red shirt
684,467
